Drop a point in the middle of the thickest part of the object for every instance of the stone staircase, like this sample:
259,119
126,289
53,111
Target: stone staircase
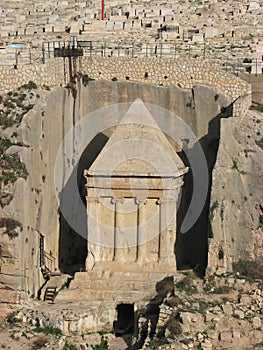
119,286
53,286
50,294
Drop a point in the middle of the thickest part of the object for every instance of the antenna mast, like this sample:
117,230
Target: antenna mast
102,10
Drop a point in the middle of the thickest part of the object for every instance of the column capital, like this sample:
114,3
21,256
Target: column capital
164,200
92,199
115,200
140,201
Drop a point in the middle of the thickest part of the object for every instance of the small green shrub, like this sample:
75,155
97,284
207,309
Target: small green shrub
155,343
69,346
5,198
114,79
10,225
12,168
234,165
30,85
173,301
9,104
186,284
102,346
12,318
4,145
86,79
222,290
40,342
49,330
165,286
249,268
260,143
174,326
256,107
29,107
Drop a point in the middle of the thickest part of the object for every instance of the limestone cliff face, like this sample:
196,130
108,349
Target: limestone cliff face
41,132
34,204
237,192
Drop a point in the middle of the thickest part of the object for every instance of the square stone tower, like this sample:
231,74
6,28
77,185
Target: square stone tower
132,193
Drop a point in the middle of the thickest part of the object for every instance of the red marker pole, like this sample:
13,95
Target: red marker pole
102,10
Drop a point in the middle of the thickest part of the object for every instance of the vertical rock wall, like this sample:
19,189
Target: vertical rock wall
42,131
237,192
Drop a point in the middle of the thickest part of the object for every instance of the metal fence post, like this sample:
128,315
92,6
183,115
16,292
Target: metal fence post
43,53
16,65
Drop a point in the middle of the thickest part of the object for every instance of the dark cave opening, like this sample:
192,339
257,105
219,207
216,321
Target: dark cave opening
125,319
191,248
72,245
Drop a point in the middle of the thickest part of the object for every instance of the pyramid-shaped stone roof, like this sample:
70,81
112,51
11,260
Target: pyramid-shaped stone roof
137,147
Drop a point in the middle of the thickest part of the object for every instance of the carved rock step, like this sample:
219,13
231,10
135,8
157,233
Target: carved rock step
154,267
122,275
113,285
57,282
99,295
50,294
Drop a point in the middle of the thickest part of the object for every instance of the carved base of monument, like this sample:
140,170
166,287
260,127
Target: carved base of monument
132,197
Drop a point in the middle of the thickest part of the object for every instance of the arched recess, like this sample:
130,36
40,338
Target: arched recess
191,247
72,246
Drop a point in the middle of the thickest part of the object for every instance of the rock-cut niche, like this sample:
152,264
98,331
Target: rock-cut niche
72,246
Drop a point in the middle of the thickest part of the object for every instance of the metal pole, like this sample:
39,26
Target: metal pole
16,65
43,53
102,10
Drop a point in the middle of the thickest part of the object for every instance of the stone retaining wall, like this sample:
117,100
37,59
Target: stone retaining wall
184,73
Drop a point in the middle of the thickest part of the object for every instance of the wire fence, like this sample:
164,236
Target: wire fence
74,48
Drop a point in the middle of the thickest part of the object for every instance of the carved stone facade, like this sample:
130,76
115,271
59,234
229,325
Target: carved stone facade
132,193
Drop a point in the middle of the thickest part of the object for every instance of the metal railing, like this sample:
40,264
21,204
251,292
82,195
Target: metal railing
49,261
144,50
